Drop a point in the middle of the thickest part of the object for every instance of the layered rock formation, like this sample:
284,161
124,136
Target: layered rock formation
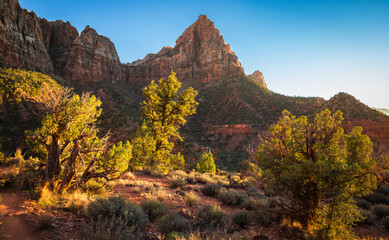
56,48
92,58
21,38
200,53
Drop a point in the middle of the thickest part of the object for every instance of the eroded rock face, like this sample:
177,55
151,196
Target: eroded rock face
258,78
58,37
21,38
200,54
92,58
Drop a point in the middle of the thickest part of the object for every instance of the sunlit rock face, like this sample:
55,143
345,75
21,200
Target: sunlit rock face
200,54
21,38
258,78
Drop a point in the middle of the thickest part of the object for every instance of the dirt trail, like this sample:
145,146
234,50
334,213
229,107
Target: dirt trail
14,227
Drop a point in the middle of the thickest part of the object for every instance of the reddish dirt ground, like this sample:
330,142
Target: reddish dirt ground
11,215
22,218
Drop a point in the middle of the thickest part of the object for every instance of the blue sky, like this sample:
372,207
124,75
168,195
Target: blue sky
303,48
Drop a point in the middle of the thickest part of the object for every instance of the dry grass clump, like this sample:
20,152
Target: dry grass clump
191,199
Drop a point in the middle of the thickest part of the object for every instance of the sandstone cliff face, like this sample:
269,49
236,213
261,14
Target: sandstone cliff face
200,54
92,58
55,48
258,78
58,37
21,38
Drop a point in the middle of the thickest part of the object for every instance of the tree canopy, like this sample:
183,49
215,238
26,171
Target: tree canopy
316,169
165,110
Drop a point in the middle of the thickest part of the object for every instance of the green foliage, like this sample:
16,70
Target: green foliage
231,197
367,217
306,163
114,228
212,216
173,222
242,218
115,160
211,189
117,208
154,209
334,220
143,148
165,111
206,164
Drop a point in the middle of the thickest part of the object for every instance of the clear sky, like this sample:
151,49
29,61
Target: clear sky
303,48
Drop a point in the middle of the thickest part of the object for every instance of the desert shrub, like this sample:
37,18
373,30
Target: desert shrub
212,216
113,207
191,177
211,189
386,222
96,186
180,173
364,204
250,204
206,163
154,209
264,218
77,202
173,222
377,198
48,198
231,197
205,178
381,210
367,217
191,199
114,228
242,218
162,195
176,181
29,173
384,189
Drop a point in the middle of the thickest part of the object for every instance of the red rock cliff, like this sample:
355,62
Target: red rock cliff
21,38
200,54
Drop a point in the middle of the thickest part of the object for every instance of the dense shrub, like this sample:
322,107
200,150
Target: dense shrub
173,222
191,199
364,204
231,197
115,208
367,217
206,164
381,210
242,218
212,216
176,181
211,189
250,204
205,178
154,209
114,228
377,198
384,189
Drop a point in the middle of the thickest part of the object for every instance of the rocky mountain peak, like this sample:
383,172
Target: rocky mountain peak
258,78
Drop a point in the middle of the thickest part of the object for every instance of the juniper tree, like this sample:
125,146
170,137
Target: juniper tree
317,169
165,111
